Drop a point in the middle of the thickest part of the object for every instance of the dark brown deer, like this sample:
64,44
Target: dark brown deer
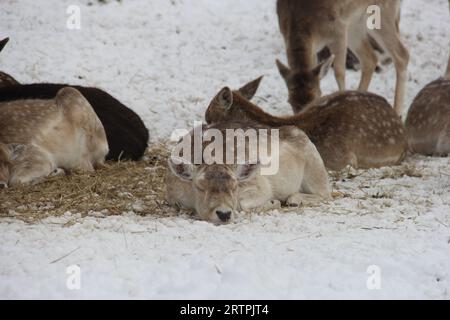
308,26
348,128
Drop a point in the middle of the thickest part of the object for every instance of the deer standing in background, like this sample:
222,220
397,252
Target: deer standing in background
308,26
353,128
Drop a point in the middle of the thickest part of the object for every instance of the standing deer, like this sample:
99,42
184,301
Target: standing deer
126,132
428,120
308,26
39,136
348,128
215,191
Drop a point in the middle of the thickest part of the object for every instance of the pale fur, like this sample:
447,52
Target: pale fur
43,135
301,178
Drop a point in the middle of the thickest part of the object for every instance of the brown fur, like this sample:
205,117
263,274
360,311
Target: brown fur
428,121
348,128
5,161
308,26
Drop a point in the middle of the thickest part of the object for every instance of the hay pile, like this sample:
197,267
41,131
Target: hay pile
120,187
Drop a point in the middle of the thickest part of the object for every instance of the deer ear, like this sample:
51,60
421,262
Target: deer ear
249,90
3,43
246,171
225,98
181,168
322,69
283,69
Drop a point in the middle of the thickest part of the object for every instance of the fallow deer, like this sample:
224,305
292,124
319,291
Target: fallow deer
126,132
216,191
39,136
428,120
353,128
308,26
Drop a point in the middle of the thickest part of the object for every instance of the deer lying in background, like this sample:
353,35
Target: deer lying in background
39,136
308,26
353,128
126,133
428,120
216,191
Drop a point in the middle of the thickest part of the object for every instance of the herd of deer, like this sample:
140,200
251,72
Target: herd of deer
45,127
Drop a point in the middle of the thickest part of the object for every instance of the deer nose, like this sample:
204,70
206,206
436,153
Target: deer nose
3,185
224,215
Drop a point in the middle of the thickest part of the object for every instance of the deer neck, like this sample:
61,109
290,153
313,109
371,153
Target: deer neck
300,51
252,112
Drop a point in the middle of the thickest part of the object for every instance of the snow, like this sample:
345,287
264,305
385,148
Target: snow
166,60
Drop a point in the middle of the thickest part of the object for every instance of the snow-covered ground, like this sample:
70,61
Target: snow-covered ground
166,60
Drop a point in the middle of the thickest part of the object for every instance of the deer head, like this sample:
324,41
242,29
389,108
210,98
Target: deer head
227,104
214,187
304,86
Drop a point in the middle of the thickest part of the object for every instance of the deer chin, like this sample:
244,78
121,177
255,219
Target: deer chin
217,216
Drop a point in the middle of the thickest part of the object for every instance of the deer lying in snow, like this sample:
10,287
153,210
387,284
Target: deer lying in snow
215,191
428,120
308,26
126,133
348,128
39,136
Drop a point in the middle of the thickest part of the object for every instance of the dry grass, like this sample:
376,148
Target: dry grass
120,187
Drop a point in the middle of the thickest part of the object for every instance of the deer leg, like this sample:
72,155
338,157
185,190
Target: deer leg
303,199
339,48
30,166
257,196
390,39
368,60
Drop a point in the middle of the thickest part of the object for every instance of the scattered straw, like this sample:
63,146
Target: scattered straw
118,188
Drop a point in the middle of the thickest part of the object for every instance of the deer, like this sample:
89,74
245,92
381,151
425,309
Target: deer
127,134
38,136
350,128
428,119
216,191
309,26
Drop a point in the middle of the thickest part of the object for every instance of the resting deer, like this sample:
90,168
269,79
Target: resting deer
308,26
39,136
428,120
216,191
126,132
348,128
